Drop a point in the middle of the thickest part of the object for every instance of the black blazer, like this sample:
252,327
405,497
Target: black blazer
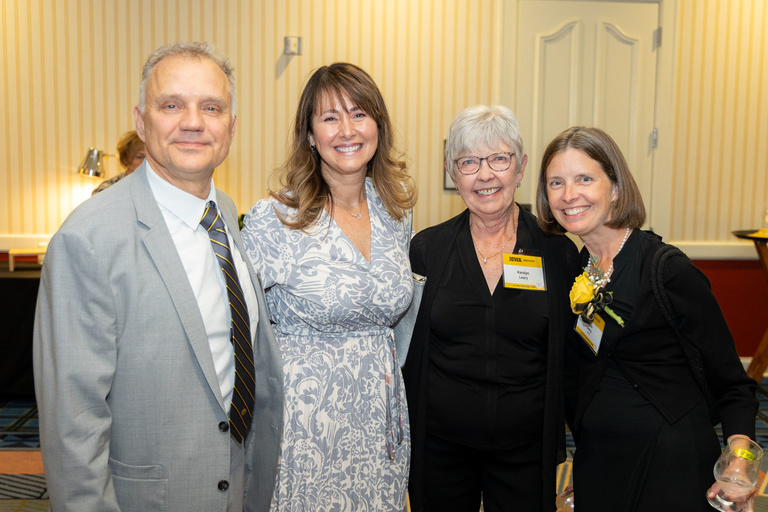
429,253
649,353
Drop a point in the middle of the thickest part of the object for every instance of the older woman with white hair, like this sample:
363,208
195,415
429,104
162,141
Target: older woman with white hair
483,373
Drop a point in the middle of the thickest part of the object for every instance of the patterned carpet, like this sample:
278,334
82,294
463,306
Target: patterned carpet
19,432
18,425
27,493
22,487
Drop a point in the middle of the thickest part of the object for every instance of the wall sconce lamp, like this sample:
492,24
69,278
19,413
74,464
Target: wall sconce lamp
92,163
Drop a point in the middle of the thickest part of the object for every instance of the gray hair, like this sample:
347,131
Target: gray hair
199,50
479,125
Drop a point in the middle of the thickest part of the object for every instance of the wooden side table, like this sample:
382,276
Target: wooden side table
760,358
12,253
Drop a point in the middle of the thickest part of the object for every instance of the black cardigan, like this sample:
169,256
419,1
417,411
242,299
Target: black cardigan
429,253
649,353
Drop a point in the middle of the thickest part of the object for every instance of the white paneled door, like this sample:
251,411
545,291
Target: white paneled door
587,63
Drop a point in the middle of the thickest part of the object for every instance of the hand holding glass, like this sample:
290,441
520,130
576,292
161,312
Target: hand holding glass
564,501
736,471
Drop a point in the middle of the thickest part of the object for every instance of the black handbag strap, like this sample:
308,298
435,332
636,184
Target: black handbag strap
693,354
657,282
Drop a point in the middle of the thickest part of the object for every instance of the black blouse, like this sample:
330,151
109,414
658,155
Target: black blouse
488,357
431,249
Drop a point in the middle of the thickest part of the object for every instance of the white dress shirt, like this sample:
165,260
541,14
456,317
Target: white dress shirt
182,213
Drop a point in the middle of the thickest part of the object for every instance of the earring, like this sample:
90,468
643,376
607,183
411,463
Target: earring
518,185
313,149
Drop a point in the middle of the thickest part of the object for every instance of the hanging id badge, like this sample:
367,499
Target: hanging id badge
592,333
524,270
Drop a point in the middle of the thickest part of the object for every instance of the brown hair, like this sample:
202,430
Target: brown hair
128,145
627,211
301,184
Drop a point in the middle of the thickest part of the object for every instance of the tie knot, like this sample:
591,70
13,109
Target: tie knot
210,216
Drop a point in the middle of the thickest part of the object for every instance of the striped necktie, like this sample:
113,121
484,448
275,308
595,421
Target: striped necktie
241,412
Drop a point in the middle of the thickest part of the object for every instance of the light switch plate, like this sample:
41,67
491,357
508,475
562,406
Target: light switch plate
292,45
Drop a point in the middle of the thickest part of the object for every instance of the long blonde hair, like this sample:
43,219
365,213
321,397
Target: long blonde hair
301,184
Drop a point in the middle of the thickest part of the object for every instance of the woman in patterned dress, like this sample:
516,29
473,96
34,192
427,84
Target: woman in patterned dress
330,248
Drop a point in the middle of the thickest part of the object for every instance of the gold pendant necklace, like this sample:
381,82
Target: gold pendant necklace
357,215
485,258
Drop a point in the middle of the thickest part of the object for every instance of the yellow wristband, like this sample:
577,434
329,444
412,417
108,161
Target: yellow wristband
744,454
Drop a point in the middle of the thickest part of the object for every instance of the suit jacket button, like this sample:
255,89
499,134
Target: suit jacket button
223,485
224,426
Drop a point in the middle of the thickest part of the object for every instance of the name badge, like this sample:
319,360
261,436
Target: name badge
524,271
591,333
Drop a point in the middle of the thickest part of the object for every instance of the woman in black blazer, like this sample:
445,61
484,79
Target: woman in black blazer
483,373
639,408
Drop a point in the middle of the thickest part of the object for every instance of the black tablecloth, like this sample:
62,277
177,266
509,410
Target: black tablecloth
18,295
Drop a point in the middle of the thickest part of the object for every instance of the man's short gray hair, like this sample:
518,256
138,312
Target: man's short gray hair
479,125
200,50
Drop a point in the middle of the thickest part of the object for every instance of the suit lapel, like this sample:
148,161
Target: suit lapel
159,244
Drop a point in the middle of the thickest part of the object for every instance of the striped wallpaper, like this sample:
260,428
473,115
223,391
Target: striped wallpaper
70,74
720,174
71,70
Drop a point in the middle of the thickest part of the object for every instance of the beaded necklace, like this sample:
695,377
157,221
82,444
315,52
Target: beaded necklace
597,277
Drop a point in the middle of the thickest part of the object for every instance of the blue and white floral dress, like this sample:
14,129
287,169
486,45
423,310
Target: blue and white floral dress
346,437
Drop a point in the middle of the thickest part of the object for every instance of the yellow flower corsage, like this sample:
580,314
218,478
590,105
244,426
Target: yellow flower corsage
582,292
587,299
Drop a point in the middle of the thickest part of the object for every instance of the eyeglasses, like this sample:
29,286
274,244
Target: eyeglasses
498,162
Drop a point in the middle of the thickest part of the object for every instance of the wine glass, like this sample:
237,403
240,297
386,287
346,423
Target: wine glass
736,471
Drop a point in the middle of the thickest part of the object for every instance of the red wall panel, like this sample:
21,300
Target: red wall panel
741,288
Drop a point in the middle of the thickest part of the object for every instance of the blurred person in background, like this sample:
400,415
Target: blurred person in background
130,149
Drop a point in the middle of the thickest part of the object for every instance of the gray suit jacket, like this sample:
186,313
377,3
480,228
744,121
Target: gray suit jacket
130,405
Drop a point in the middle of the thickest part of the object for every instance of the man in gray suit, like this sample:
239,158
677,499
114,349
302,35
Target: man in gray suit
133,352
